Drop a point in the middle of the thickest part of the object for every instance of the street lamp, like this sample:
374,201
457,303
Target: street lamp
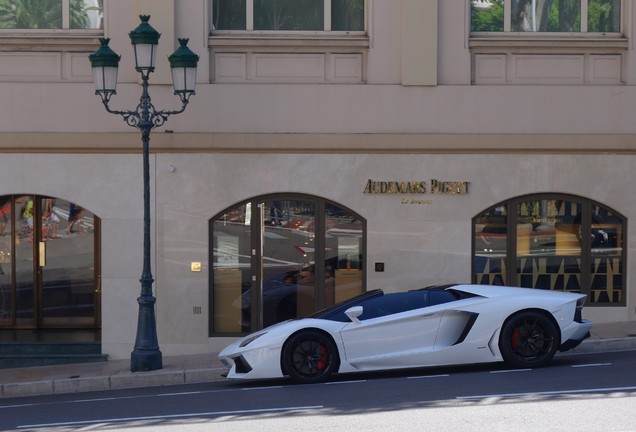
146,355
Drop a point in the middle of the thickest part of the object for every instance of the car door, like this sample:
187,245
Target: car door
384,339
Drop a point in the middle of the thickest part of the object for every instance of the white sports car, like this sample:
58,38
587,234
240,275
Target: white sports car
441,325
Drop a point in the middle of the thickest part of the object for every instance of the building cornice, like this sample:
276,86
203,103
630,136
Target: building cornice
129,143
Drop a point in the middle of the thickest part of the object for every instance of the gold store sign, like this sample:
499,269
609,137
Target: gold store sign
434,187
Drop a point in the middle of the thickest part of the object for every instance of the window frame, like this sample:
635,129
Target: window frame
249,24
583,33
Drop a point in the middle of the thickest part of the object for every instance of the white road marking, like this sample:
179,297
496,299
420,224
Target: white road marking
345,382
547,393
179,393
429,376
174,416
510,371
591,365
261,388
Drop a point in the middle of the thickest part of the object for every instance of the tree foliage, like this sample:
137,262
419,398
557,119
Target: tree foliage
490,19
42,14
545,15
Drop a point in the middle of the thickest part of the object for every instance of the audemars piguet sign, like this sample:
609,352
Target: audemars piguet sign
433,187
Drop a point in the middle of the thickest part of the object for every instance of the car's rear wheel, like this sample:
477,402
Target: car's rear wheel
310,357
529,339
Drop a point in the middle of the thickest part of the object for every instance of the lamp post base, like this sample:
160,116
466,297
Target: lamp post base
145,360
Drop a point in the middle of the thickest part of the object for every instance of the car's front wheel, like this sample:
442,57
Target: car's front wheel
310,357
529,339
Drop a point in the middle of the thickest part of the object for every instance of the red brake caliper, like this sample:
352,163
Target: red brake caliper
515,338
322,360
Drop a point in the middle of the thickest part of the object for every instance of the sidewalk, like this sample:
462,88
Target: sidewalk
115,374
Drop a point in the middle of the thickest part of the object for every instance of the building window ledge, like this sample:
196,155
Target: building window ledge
285,42
60,41
548,43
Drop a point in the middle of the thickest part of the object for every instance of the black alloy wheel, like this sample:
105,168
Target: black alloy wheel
529,339
310,357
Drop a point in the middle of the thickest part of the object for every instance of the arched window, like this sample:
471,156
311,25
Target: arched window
552,241
278,257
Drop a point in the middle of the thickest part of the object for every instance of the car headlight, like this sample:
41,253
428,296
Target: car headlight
250,339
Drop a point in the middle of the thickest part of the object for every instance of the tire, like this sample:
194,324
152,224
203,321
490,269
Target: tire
529,339
310,357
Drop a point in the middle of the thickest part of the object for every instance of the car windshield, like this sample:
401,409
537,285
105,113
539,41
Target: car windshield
338,310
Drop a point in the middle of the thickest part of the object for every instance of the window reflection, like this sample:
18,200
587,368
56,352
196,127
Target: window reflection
552,242
285,260
48,274
548,244
87,14
548,227
6,268
48,14
287,15
24,292
606,248
289,266
68,267
232,270
490,246
546,16
343,255
347,15
603,16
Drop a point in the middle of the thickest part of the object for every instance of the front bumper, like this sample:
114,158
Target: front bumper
252,364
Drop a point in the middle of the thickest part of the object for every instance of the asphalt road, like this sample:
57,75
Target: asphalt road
593,392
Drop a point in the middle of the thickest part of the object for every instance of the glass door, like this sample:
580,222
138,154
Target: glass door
232,280
69,286
23,267
49,273
287,263
279,257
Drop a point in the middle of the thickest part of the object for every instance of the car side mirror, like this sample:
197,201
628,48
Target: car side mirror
354,312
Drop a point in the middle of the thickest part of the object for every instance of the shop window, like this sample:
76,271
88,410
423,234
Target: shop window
556,242
287,15
281,257
51,14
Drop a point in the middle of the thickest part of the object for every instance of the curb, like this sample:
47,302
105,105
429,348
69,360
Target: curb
112,382
605,345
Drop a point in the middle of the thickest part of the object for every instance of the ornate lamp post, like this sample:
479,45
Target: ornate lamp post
146,355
